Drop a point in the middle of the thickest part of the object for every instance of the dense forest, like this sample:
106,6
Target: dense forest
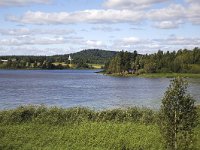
80,60
182,61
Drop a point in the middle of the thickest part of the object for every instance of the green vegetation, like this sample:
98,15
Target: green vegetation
169,75
78,128
122,63
40,127
93,56
182,61
84,136
155,75
96,66
178,116
165,75
59,116
82,59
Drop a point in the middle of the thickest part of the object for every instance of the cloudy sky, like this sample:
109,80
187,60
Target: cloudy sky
48,27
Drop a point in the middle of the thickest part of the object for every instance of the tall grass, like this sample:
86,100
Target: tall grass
39,127
59,116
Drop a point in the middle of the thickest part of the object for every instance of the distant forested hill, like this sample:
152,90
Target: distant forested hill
80,60
93,56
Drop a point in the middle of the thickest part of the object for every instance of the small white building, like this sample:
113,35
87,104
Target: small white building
70,59
4,60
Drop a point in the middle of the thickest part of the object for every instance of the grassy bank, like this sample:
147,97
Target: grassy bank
81,128
170,75
158,75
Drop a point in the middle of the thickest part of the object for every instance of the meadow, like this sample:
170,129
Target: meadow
39,127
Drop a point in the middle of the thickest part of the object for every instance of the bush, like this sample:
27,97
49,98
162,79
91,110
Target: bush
194,69
140,71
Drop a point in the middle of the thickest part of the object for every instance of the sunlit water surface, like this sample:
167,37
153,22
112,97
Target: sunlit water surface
71,88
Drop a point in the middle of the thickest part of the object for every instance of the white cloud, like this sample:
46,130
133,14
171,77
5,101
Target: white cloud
193,14
173,12
130,40
127,43
153,45
94,43
105,28
30,40
22,2
193,1
33,50
86,16
167,24
131,4
31,46
165,18
174,15
26,31
170,16
181,41
63,41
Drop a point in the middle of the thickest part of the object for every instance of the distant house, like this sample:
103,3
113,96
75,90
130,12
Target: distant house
4,61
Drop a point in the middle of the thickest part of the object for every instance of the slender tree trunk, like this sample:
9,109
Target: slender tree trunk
175,134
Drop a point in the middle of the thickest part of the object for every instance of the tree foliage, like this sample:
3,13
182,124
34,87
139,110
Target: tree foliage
121,63
81,59
178,116
182,61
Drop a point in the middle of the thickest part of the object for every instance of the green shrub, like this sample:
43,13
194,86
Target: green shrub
140,71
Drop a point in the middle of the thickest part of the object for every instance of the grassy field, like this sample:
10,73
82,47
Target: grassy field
96,66
85,135
81,128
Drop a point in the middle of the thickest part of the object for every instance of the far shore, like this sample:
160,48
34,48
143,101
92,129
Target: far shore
156,75
145,75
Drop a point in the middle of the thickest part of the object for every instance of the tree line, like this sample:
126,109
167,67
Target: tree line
24,62
182,61
81,59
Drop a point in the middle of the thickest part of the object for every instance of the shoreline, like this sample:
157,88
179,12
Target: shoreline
156,75
146,75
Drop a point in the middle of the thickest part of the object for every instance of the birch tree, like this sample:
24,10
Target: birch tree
178,116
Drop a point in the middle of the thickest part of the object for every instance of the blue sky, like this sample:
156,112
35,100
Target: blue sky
49,27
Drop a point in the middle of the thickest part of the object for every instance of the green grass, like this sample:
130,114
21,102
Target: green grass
96,66
81,128
170,75
159,75
85,135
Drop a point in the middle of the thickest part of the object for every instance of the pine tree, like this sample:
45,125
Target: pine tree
178,116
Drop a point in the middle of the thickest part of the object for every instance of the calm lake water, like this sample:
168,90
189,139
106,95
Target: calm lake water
70,88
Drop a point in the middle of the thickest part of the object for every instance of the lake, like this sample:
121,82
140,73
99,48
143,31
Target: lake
71,88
